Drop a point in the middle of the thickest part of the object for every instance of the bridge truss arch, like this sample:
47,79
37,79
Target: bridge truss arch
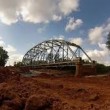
54,51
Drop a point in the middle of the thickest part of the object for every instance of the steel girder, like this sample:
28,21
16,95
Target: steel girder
54,51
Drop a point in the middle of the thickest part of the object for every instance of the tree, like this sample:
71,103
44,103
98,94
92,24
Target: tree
17,64
3,56
101,68
108,41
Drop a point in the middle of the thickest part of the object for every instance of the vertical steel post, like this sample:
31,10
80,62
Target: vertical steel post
67,53
63,51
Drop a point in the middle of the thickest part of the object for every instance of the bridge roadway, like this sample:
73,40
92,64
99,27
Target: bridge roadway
58,65
55,65
79,68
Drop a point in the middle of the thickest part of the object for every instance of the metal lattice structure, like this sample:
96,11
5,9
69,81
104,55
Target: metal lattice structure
54,51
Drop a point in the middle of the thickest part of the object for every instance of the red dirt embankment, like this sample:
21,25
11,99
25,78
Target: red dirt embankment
9,73
52,93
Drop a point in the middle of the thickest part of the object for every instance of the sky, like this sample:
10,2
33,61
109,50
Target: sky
25,23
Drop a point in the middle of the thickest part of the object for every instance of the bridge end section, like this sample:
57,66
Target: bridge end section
84,69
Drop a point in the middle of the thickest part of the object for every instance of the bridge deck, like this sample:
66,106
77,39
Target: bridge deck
58,64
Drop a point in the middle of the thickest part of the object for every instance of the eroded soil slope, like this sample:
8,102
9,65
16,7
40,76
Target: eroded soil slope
53,93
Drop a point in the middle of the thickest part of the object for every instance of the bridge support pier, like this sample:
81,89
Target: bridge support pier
83,70
78,68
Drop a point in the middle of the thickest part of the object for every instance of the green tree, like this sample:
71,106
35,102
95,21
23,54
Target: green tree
108,41
3,56
101,68
17,64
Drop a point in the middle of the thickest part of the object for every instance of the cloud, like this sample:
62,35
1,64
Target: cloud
9,11
60,37
14,58
100,55
12,52
73,24
10,49
2,43
36,11
57,18
76,40
95,34
98,33
98,36
67,6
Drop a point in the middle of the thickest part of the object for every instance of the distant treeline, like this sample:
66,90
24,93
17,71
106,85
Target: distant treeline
102,69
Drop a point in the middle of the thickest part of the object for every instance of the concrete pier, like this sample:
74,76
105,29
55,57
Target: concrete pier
83,69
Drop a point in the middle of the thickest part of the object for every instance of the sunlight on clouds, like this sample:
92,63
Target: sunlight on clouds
8,11
36,11
7,20
67,6
100,55
97,34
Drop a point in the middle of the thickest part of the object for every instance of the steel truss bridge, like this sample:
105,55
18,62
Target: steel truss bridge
55,53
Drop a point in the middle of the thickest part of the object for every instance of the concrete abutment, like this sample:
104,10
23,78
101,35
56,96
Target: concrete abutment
84,69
